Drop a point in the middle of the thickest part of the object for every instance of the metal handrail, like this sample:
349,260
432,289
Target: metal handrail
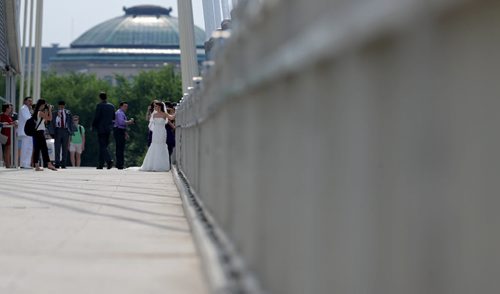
352,135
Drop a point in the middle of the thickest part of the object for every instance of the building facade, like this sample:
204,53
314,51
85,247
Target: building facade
145,38
9,48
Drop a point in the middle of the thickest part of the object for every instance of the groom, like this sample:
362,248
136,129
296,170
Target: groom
103,124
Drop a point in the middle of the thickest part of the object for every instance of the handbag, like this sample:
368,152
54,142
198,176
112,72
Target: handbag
3,139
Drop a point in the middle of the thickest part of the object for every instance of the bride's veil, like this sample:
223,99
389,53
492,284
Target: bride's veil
164,107
151,125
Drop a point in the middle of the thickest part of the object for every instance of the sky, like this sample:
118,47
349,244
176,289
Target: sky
66,20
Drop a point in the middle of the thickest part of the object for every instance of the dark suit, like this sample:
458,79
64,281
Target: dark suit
170,140
61,132
103,124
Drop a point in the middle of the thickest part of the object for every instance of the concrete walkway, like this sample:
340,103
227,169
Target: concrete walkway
94,231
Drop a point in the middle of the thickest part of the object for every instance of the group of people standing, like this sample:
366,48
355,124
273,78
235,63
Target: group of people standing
105,121
160,121
60,124
69,135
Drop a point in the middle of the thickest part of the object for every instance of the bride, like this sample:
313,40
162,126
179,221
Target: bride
157,158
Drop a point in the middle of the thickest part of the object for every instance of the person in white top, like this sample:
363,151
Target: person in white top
26,142
157,158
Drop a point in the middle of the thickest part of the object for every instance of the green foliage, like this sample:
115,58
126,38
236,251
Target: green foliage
80,92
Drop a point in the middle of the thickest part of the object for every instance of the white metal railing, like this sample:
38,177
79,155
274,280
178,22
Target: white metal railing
351,146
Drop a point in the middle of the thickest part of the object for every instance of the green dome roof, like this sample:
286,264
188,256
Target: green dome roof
144,26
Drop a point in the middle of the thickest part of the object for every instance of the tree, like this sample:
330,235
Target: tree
80,92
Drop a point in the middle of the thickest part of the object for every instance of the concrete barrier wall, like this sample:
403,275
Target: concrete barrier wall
354,146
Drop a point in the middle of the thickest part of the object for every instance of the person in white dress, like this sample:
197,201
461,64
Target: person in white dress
157,158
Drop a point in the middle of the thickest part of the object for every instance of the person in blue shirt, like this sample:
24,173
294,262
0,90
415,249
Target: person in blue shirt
120,133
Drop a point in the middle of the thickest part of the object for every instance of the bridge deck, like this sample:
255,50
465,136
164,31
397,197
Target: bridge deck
90,231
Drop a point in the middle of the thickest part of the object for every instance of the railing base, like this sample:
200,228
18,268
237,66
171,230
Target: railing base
224,269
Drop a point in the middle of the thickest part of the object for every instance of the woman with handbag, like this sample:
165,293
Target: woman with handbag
42,115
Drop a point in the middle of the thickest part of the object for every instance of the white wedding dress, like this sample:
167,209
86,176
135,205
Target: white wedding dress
157,158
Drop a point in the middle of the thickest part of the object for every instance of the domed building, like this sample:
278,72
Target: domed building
146,37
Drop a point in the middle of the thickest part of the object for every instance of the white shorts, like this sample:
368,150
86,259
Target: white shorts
75,148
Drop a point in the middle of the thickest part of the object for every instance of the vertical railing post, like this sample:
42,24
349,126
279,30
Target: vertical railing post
29,67
208,15
225,9
217,14
23,57
189,63
11,84
13,147
38,50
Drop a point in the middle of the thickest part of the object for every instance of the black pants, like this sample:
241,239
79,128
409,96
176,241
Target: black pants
40,145
150,138
103,148
119,135
61,140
